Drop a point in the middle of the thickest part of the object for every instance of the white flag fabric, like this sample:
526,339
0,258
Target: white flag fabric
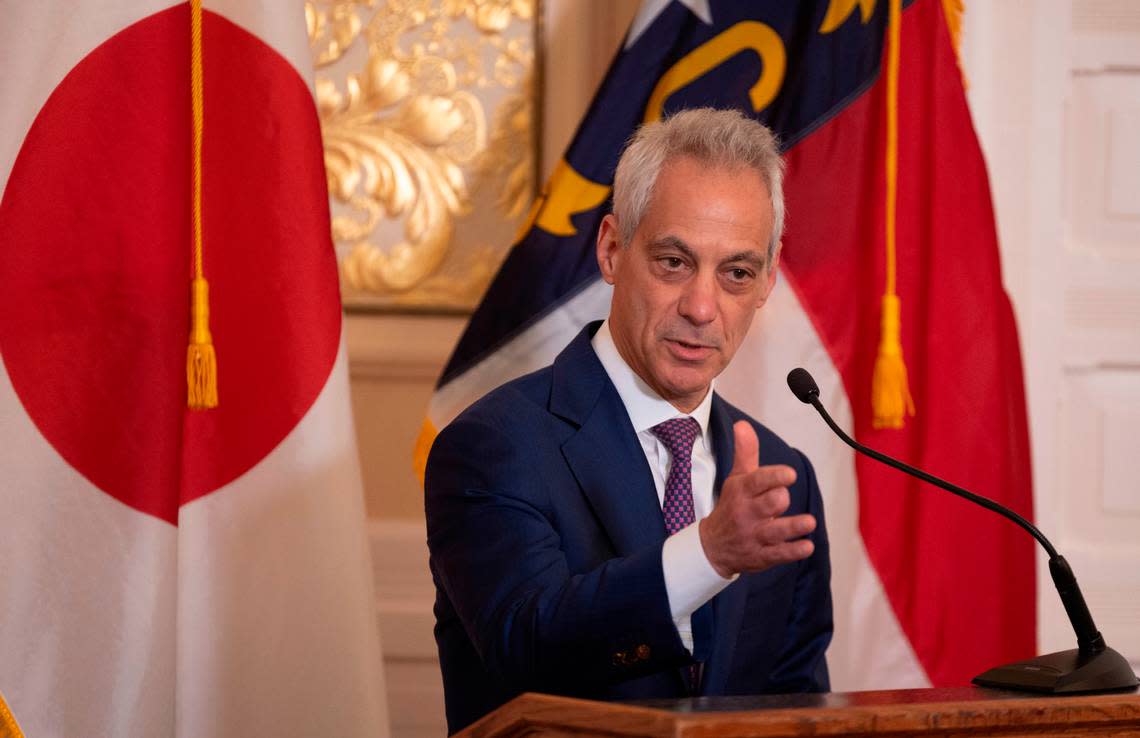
166,572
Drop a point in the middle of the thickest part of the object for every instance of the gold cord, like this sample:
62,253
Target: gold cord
890,393
201,361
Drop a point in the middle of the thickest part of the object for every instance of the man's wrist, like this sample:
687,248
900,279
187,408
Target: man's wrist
690,580
723,571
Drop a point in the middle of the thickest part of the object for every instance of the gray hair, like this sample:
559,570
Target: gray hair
720,138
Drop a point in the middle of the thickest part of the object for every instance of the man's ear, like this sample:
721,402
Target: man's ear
770,280
609,250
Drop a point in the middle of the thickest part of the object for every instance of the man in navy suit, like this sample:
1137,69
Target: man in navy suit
609,527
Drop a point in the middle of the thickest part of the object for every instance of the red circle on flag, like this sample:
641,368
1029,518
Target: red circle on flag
95,262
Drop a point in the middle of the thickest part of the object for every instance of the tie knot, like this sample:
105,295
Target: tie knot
678,435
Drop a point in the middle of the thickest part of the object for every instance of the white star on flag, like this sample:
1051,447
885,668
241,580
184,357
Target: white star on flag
650,9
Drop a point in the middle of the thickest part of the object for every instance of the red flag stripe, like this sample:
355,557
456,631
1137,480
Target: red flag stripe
960,580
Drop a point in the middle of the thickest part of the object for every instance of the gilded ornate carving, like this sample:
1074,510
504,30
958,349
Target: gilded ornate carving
403,91
514,120
490,16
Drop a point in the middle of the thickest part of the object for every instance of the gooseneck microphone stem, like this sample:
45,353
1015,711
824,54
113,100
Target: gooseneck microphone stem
1089,640
983,501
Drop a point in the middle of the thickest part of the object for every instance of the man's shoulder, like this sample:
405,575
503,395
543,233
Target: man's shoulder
533,398
510,404
495,442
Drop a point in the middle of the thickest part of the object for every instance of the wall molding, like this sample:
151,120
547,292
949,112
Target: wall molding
401,347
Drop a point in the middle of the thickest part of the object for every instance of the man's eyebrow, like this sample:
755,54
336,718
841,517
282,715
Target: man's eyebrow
673,243
755,258
664,243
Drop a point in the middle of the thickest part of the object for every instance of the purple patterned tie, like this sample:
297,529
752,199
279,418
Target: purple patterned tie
678,435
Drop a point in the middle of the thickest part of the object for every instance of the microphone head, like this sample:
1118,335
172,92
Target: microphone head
802,385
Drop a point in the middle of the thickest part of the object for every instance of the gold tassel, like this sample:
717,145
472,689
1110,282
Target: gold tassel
890,392
201,363
953,10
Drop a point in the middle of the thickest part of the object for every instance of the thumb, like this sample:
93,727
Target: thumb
746,448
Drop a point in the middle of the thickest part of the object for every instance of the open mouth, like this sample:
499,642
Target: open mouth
688,351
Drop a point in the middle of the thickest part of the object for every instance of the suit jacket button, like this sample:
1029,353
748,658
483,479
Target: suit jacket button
643,652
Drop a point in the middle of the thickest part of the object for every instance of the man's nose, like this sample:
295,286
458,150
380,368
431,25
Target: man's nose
698,301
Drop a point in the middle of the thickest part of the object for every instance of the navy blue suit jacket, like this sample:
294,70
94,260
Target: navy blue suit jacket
545,534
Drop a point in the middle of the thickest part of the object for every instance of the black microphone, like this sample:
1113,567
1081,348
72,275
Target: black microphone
1091,667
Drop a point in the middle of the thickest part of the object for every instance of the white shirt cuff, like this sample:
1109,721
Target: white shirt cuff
690,580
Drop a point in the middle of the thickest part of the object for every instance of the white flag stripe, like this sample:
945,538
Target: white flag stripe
531,350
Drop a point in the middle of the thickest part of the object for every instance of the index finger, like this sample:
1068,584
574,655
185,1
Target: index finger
763,478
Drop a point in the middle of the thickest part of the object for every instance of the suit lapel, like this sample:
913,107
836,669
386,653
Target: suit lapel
604,454
609,465
728,606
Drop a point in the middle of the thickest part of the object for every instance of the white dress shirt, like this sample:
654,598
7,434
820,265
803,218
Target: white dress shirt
690,580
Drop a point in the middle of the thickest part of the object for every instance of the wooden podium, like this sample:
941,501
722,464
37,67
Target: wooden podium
929,712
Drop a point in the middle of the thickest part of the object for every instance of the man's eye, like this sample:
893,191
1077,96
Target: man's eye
672,262
740,275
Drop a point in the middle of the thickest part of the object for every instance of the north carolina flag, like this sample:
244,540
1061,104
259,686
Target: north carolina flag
929,590
163,571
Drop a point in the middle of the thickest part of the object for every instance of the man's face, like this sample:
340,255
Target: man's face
687,285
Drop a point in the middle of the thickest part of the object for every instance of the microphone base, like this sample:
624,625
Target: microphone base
1064,672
